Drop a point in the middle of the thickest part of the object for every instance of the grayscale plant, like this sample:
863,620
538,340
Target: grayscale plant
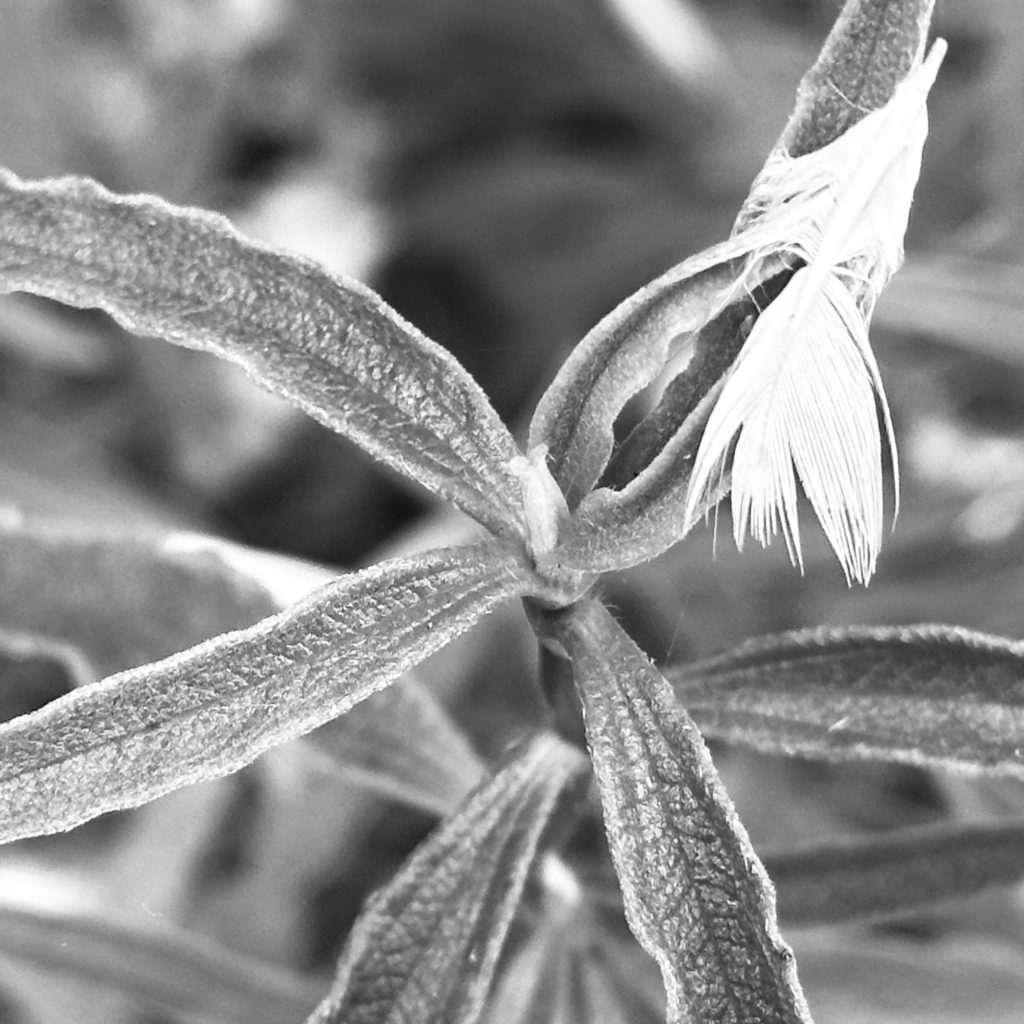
775,382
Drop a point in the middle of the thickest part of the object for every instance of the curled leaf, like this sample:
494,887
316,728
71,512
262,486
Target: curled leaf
426,947
833,199
696,896
330,345
211,710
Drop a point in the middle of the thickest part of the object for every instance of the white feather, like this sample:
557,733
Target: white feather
802,398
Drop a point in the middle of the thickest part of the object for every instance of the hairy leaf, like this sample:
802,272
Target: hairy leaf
402,743
120,599
212,709
696,896
927,695
426,947
894,873
574,970
328,344
566,972
161,967
870,50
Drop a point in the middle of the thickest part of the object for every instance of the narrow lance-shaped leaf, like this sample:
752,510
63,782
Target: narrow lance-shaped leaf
696,896
121,599
426,947
972,305
872,47
927,695
895,873
328,344
161,967
402,743
213,709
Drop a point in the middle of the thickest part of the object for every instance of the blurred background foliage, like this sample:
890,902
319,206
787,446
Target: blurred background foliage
503,174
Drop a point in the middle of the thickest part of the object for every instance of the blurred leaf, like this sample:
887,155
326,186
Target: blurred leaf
569,972
35,670
925,695
208,711
121,598
696,896
39,334
675,36
619,976
403,744
154,860
33,140
620,356
330,345
968,303
162,968
875,42
894,873
426,947
51,461
538,985
886,981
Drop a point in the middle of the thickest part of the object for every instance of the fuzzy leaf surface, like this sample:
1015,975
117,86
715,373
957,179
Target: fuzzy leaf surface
926,695
328,344
121,600
213,709
402,743
870,50
696,896
894,873
163,968
426,947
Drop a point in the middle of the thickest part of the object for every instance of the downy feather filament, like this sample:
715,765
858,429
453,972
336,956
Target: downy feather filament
802,398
